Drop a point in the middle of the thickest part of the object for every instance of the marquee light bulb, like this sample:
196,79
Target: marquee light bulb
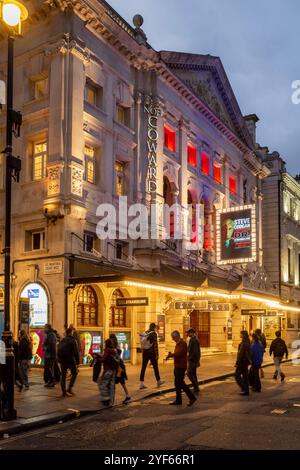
11,14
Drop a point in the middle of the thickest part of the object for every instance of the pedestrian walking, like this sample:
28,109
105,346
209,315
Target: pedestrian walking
180,366
194,355
49,346
110,361
18,380
149,345
68,357
242,363
121,375
25,356
278,349
76,336
262,339
257,353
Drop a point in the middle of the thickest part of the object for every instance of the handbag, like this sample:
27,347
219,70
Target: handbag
97,365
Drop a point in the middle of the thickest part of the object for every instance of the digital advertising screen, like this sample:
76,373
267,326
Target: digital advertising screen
38,355
124,341
91,343
236,235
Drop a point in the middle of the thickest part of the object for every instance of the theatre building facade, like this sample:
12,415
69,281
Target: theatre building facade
106,117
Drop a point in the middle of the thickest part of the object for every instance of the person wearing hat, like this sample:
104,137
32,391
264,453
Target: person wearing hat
194,355
150,353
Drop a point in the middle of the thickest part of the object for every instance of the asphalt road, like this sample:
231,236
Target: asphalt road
220,419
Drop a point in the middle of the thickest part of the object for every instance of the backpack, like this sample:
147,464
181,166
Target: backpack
145,343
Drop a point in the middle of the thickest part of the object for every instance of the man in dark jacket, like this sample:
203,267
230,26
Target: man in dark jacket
278,349
194,354
68,357
49,347
242,363
25,356
150,354
180,366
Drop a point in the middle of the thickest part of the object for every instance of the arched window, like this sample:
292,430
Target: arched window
87,308
38,304
117,315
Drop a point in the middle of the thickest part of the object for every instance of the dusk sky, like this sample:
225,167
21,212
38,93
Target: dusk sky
258,43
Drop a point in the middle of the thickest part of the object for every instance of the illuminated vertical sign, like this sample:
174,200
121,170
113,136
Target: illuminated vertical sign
153,112
236,235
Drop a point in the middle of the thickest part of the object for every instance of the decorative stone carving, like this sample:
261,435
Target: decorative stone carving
54,173
77,181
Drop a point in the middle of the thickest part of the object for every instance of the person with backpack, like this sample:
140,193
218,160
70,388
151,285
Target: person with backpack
121,375
242,363
257,353
25,356
68,356
194,355
49,347
149,346
278,349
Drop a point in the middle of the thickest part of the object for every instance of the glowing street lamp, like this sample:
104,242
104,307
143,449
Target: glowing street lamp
12,13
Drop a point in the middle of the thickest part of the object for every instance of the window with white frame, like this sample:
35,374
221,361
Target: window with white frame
39,160
35,240
90,163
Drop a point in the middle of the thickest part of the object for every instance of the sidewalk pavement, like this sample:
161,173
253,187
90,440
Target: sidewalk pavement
40,406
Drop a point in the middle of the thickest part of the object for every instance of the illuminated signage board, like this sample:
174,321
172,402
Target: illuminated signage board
236,235
154,112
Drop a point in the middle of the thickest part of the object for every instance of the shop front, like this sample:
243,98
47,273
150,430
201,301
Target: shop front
268,321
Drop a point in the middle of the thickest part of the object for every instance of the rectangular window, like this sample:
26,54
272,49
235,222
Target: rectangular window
205,164
34,240
192,155
89,154
123,115
232,184
93,94
40,88
120,178
170,139
217,173
39,160
291,277
88,241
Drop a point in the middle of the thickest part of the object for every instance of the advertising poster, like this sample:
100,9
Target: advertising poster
38,355
124,340
161,328
91,343
38,304
236,238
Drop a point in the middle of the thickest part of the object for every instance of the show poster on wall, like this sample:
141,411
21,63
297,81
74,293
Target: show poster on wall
38,304
38,355
91,343
236,235
124,341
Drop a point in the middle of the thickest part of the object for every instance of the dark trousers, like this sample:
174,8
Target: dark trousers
192,375
49,370
256,379
64,370
146,358
181,385
242,377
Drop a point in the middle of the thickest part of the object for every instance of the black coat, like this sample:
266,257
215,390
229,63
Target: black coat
244,354
25,350
68,351
194,351
278,347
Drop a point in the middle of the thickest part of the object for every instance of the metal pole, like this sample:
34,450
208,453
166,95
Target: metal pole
8,370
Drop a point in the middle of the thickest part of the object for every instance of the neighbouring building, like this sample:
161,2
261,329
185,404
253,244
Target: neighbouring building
87,84
281,241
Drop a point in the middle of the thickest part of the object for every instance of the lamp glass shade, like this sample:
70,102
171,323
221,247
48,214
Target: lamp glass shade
11,14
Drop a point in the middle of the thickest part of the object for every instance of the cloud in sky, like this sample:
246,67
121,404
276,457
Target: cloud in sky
257,42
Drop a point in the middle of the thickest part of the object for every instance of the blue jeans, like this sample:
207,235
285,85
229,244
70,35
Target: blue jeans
24,371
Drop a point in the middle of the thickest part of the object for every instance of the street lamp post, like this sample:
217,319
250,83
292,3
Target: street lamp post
12,14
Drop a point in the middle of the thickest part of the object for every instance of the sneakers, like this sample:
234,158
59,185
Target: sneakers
175,403
127,400
244,394
70,393
143,386
282,377
160,382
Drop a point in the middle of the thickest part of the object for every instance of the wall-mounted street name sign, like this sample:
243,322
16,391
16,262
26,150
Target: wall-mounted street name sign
53,267
132,301
192,305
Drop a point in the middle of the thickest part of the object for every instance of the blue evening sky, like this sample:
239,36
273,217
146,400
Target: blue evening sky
259,45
